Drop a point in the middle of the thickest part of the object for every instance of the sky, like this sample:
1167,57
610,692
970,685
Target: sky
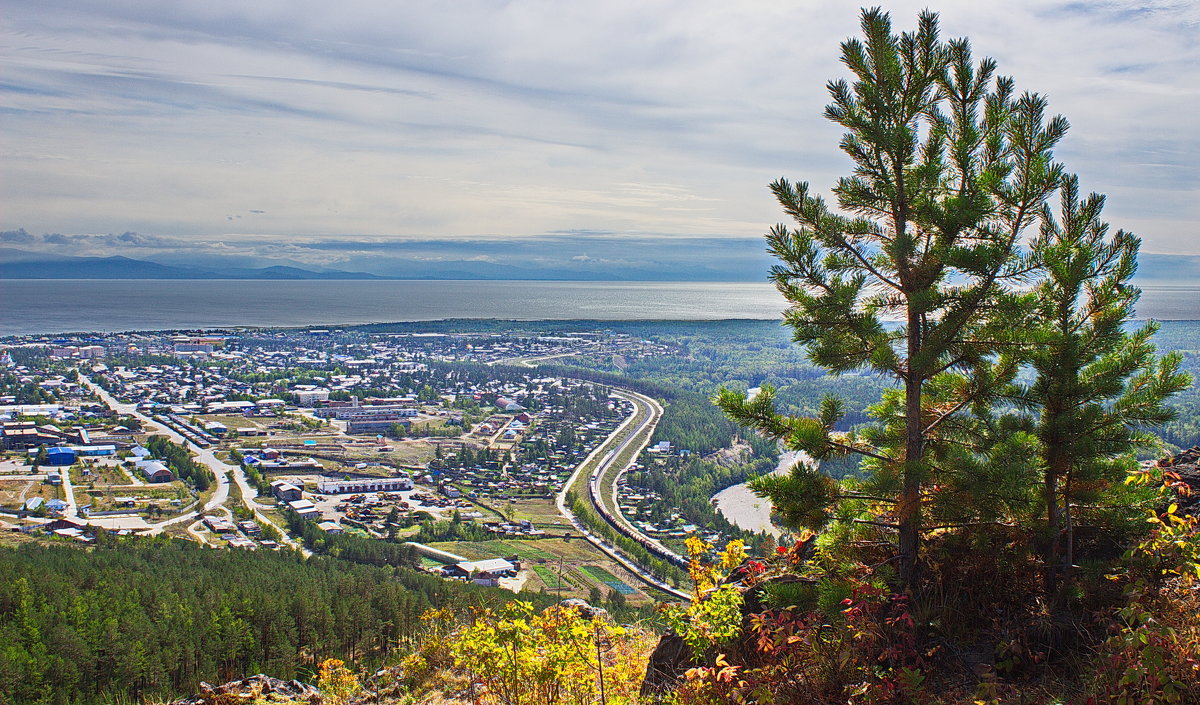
556,137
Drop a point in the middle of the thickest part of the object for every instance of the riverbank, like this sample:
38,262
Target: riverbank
745,510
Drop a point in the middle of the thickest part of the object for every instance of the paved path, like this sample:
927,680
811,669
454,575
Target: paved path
69,492
606,455
195,530
223,471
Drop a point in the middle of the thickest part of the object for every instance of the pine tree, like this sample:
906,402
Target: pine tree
950,168
1098,387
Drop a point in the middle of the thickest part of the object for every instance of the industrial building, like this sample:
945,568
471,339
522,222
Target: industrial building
155,472
363,413
360,485
305,509
310,397
60,456
376,426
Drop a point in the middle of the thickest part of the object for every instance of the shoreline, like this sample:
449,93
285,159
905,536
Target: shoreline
745,510
65,306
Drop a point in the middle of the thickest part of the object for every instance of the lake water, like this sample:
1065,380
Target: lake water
30,306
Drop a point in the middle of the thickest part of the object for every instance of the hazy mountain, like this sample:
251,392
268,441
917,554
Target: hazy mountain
695,260
19,264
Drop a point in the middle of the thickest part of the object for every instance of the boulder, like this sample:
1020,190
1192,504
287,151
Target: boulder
249,689
668,662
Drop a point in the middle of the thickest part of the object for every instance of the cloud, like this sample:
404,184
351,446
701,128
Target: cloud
17,237
370,121
629,256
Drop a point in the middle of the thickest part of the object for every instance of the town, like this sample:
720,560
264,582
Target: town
458,446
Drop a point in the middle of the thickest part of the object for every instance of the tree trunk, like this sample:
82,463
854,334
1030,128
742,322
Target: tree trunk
1057,468
1058,569
1050,552
909,508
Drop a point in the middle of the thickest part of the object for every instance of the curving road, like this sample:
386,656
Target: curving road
611,451
223,471
606,463
626,442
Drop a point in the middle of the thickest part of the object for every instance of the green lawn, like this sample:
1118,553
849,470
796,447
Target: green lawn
603,576
520,549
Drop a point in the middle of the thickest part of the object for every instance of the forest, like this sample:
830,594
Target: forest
687,485
150,618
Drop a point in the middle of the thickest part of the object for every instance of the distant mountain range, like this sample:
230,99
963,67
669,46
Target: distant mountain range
22,264
19,264
720,262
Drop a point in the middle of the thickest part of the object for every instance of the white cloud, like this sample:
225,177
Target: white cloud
520,118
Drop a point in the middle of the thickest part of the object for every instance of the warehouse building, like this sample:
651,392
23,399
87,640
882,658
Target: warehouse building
360,485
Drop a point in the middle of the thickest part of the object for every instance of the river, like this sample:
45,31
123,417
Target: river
747,511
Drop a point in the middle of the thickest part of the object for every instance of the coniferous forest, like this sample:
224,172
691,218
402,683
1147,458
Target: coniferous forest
151,618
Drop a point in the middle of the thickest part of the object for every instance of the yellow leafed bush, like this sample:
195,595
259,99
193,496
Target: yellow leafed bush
521,657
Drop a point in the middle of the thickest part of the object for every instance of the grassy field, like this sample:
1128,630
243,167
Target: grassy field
417,452
541,512
11,491
551,580
606,578
12,539
101,475
233,422
101,496
582,565
472,551
526,551
179,531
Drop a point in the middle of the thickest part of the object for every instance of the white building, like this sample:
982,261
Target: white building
360,485
305,509
311,397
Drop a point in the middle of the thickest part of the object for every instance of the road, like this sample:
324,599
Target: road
69,492
601,462
603,486
220,470
615,456
649,411
223,471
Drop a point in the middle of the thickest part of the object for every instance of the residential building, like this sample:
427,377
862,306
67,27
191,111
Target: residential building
285,491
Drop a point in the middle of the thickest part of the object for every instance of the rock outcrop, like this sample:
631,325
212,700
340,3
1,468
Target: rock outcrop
667,664
1186,464
249,689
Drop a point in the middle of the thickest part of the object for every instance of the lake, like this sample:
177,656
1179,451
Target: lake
31,306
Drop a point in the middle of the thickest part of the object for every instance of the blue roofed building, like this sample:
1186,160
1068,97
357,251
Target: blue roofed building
60,455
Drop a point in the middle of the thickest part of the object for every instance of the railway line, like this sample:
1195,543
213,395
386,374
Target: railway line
603,466
609,471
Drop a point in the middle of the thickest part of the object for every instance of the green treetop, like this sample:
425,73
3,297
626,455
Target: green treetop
1098,387
950,168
